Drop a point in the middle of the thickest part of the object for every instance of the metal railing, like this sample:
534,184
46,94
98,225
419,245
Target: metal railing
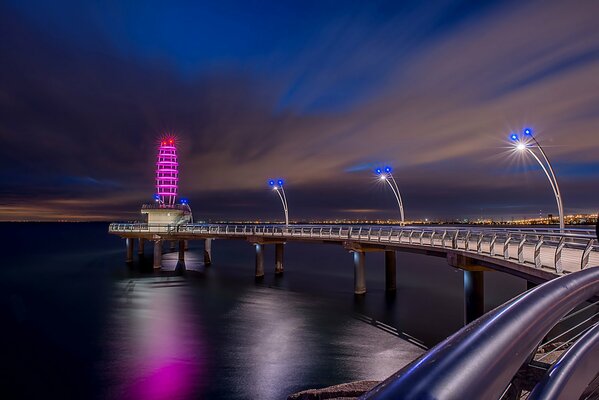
536,247
481,360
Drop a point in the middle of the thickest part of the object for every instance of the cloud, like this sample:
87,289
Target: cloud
432,91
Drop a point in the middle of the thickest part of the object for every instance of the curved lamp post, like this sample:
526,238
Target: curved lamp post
386,175
277,186
528,143
185,203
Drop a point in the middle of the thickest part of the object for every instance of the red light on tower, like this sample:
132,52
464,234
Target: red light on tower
167,172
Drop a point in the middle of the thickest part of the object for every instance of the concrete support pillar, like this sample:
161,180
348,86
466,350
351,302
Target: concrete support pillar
279,251
181,250
359,272
172,244
140,246
157,254
129,244
259,260
390,270
207,251
474,295
186,245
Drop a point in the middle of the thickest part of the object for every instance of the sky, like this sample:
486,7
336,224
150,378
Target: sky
316,92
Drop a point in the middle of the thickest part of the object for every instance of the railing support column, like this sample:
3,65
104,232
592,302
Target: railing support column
140,246
359,272
390,270
157,254
207,251
182,250
259,260
474,295
129,243
279,252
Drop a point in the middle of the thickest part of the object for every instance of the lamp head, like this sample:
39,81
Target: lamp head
513,137
388,169
271,182
521,146
280,182
378,171
527,131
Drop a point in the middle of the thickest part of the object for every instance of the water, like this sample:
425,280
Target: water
78,323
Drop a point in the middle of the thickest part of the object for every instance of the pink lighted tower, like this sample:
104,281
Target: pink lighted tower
167,174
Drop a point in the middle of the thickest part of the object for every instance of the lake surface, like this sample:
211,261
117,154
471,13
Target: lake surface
78,323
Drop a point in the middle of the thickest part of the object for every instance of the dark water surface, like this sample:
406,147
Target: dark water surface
77,323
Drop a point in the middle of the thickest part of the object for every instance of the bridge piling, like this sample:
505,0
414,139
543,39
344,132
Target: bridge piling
129,243
157,254
359,272
172,245
279,252
207,252
182,250
140,246
474,295
259,260
186,245
390,270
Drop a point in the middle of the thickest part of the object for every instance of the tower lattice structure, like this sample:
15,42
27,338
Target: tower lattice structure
167,172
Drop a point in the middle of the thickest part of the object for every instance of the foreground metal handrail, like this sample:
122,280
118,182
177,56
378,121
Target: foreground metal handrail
573,372
480,360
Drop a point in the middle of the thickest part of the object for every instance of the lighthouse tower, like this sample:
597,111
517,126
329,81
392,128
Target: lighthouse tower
165,209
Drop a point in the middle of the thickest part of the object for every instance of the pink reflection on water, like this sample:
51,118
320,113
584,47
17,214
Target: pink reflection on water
158,352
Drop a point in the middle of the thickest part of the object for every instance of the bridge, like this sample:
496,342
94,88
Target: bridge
534,254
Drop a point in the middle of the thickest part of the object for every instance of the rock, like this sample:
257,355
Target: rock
348,391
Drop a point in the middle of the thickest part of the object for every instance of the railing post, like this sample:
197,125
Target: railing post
467,241
479,243
454,240
538,245
521,249
558,255
492,245
420,237
433,239
506,247
586,254
410,237
443,238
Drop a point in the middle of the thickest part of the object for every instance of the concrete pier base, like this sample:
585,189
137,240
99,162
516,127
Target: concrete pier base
259,260
359,272
390,270
129,243
279,252
207,251
140,246
181,250
157,254
474,295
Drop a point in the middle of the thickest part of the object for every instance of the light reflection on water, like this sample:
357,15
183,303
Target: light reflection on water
155,341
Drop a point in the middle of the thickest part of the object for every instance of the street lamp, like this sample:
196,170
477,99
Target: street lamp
529,143
385,174
277,186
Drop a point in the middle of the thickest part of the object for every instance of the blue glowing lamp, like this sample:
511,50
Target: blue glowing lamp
156,197
378,171
280,182
271,182
184,201
514,137
528,131
387,169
